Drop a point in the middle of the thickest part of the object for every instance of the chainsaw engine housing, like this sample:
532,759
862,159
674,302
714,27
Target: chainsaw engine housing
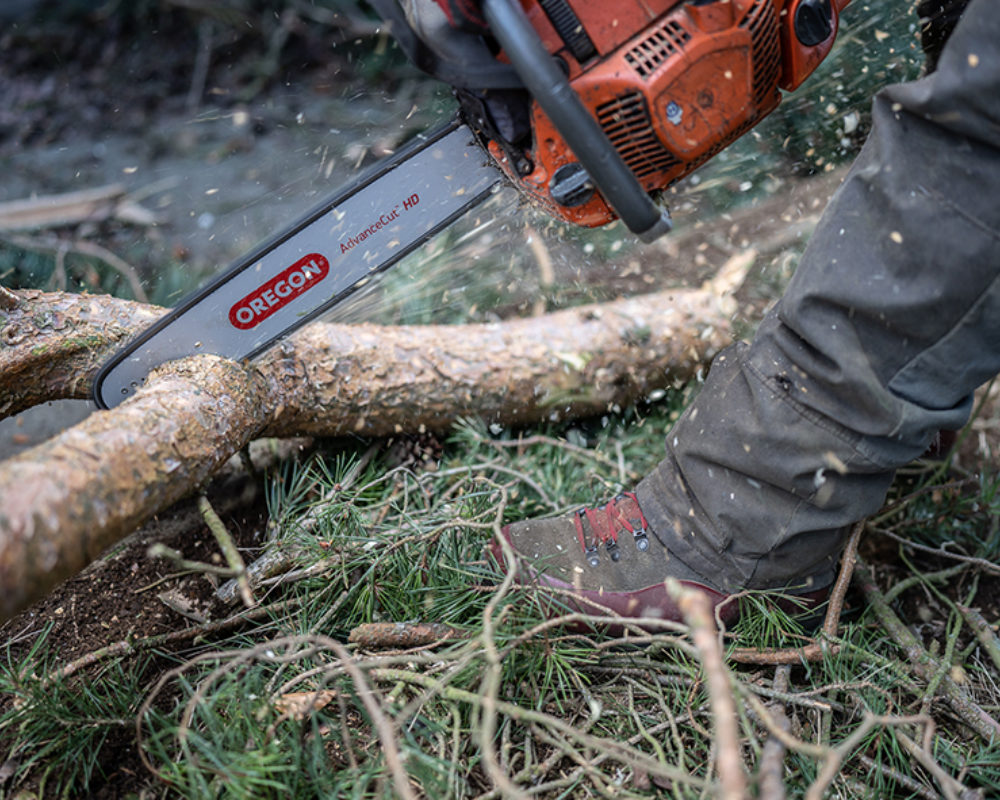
670,83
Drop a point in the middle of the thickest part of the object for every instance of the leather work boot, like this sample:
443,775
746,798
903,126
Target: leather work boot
602,559
608,559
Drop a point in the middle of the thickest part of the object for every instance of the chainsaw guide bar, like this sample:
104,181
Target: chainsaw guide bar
332,252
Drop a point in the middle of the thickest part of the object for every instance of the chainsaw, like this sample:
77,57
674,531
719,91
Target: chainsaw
591,110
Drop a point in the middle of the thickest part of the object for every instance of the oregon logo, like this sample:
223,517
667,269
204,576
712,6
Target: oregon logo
278,292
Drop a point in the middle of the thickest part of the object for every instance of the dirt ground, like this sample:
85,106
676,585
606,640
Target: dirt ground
84,108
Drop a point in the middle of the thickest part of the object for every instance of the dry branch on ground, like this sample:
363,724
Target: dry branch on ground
73,208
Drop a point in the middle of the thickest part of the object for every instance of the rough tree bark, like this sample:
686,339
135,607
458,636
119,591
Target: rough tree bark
64,501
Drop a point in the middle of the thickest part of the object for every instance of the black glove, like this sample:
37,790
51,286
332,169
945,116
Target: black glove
937,20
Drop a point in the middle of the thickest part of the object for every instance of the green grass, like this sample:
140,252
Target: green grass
574,714
56,731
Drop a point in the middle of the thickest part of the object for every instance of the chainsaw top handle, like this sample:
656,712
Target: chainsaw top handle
585,137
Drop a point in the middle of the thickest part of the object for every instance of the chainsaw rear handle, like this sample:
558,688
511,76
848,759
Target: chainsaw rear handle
551,90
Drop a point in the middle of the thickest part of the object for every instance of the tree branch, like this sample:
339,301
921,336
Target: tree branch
63,502
336,379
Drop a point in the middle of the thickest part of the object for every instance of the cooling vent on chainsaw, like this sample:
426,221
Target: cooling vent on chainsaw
626,122
762,22
663,42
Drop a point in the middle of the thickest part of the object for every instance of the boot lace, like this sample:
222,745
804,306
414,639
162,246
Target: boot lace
606,523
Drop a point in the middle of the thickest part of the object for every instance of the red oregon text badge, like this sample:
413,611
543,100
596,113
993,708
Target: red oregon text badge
278,292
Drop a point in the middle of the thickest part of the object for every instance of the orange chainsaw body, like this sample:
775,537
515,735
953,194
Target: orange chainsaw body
671,83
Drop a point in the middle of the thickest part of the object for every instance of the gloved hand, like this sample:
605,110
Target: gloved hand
464,14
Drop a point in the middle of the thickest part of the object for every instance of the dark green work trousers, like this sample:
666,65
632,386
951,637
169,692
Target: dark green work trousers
890,323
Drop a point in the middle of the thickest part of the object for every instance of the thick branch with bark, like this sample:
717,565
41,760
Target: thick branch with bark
334,379
63,502
52,343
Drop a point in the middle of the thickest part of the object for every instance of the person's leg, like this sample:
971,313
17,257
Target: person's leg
890,322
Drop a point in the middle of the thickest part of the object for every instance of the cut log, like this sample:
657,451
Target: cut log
63,502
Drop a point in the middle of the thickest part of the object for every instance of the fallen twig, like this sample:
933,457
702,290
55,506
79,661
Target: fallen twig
72,208
770,773
923,663
228,547
490,686
940,576
114,261
130,647
402,635
612,748
383,725
61,247
278,559
835,756
951,788
160,550
831,623
984,632
698,614
905,781
981,563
